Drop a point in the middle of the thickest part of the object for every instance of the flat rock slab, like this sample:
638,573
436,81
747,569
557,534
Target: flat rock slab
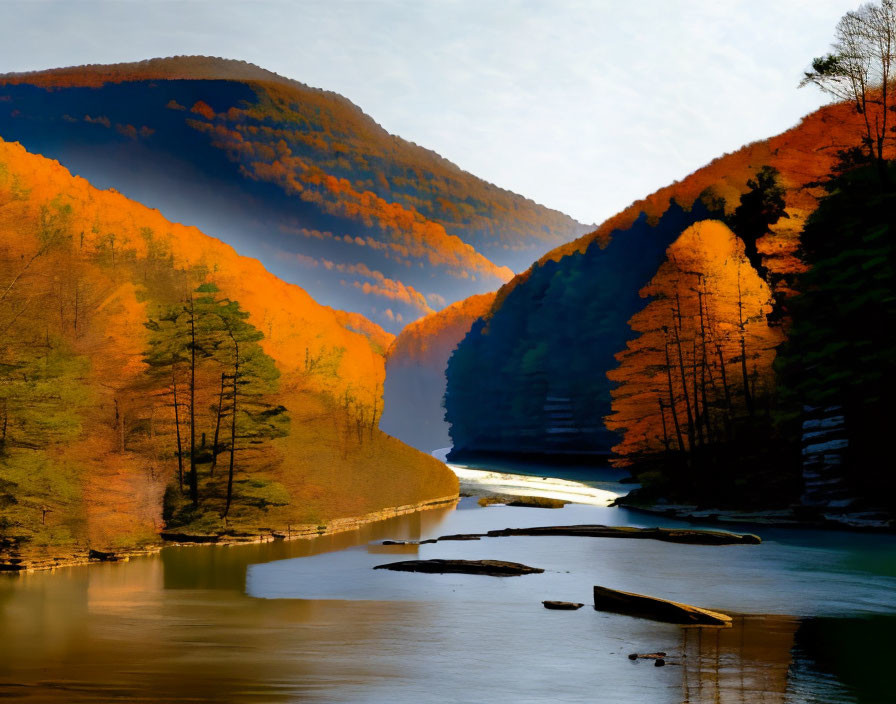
669,535
562,605
408,542
492,568
651,607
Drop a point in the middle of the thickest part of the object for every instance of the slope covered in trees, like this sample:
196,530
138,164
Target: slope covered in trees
299,177
415,373
736,264
152,377
840,355
530,377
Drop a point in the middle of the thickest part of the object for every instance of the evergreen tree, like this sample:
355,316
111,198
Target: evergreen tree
841,349
760,208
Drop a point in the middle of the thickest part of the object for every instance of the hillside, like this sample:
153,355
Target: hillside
296,176
532,376
415,373
99,296
803,155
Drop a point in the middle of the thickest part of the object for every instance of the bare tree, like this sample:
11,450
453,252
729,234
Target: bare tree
859,70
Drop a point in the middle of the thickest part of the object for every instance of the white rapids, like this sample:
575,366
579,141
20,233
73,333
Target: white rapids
478,481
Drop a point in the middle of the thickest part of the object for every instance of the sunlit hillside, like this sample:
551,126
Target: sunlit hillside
296,176
126,338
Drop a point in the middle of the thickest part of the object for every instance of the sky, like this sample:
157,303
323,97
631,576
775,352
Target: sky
581,105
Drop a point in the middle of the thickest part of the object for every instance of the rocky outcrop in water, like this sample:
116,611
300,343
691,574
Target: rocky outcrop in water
492,568
632,604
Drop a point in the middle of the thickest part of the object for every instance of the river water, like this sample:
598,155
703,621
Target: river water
311,621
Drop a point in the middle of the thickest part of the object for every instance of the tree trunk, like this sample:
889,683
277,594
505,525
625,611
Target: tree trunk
684,379
665,431
217,426
194,484
180,450
741,326
727,391
672,400
236,374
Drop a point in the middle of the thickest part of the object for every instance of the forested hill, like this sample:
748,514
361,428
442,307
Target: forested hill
151,377
296,176
803,156
682,338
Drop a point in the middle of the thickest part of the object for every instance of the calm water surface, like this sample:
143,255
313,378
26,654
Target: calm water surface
310,621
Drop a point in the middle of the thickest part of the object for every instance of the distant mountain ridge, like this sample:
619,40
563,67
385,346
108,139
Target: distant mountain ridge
297,176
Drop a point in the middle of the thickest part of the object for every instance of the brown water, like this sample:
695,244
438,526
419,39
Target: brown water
310,621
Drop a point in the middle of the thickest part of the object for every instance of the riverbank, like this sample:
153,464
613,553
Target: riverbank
780,518
15,562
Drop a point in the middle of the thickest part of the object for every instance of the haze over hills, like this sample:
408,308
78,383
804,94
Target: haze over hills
296,176
415,373
101,301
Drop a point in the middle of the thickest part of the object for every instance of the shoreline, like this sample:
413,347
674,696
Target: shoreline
15,565
770,518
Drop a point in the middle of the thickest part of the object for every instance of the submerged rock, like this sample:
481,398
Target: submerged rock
523,501
408,542
669,535
492,568
186,538
538,502
462,536
632,604
562,605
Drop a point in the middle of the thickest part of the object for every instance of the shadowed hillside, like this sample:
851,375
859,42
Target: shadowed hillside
415,373
532,376
150,374
296,176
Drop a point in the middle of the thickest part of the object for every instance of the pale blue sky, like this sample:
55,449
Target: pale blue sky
583,105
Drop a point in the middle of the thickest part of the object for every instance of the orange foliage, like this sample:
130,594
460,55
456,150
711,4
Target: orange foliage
703,346
804,155
331,362
414,235
431,340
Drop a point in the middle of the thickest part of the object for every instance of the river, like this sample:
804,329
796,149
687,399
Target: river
311,621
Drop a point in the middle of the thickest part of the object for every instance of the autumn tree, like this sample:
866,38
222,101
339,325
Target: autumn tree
859,70
702,358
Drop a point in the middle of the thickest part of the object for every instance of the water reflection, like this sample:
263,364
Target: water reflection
210,567
748,662
180,627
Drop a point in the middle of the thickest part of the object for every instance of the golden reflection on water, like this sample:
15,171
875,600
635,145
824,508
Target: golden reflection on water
178,627
745,664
